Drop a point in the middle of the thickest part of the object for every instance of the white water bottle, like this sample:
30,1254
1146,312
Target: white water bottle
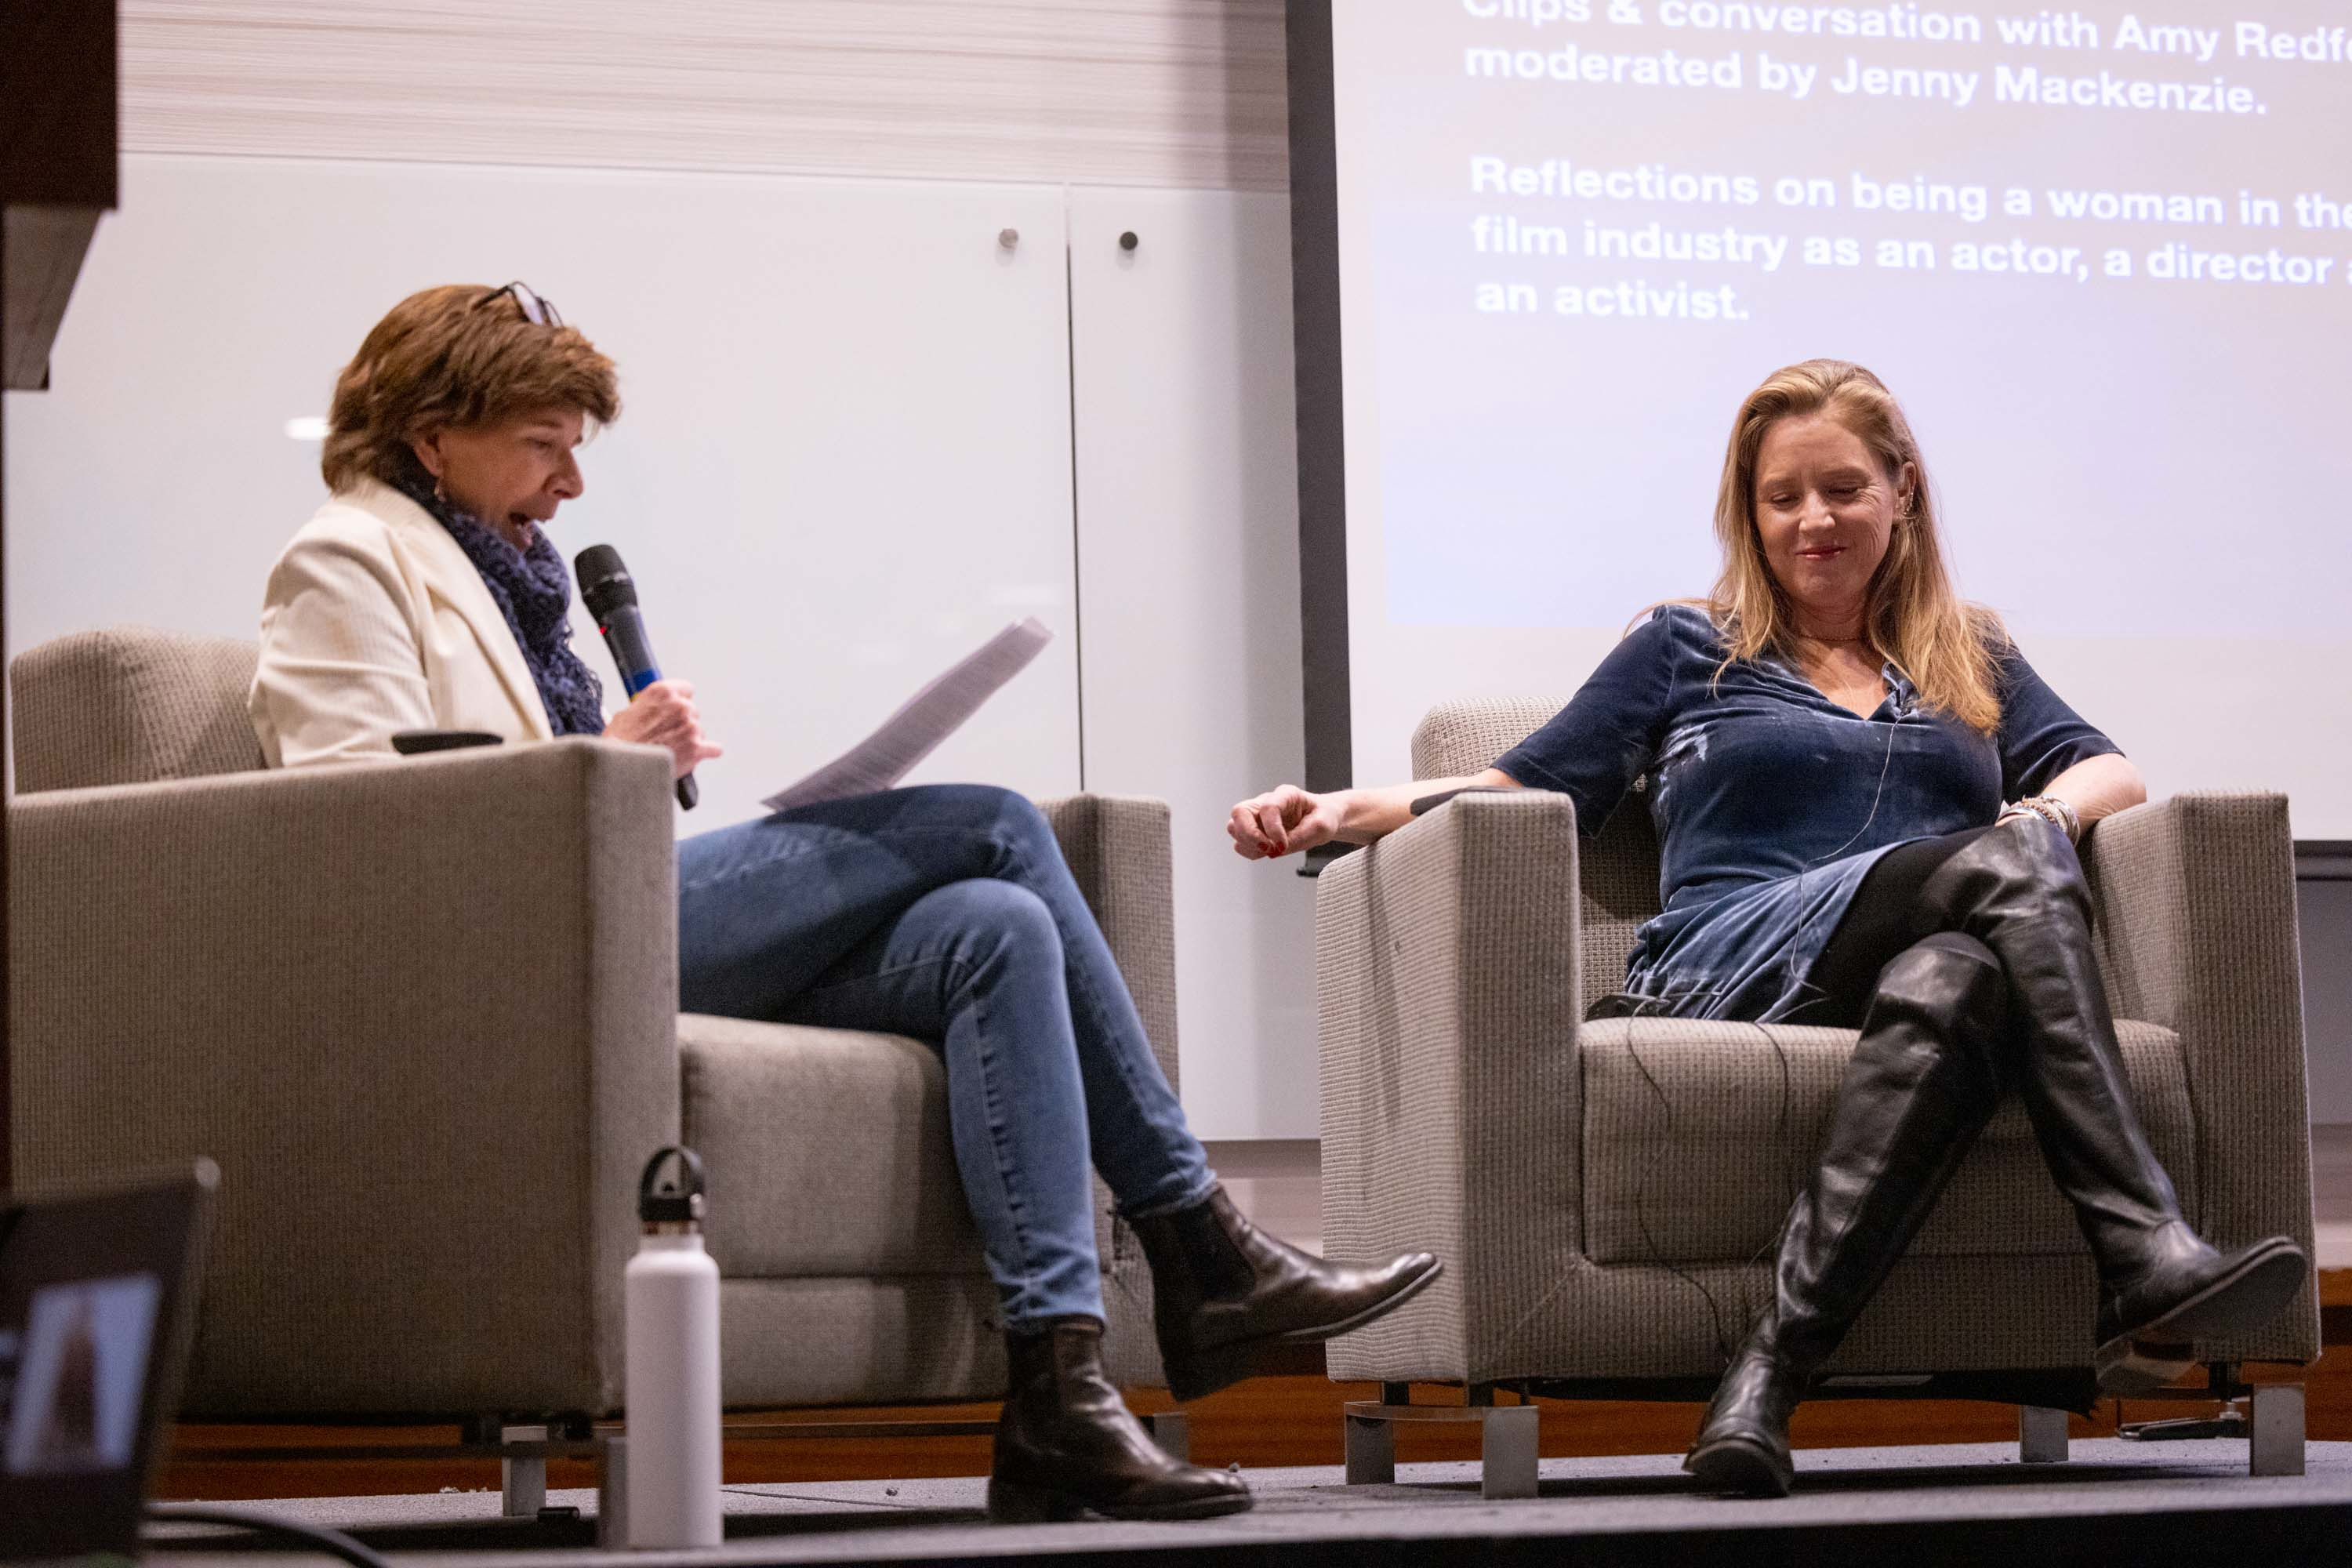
671,1294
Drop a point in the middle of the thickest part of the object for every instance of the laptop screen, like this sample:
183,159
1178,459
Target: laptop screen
97,1299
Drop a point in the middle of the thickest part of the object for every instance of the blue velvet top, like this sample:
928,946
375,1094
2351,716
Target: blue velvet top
1771,801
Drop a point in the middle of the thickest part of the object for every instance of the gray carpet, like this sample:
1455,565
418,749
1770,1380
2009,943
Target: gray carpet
2105,1480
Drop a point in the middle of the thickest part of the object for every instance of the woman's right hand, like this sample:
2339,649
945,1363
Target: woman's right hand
1281,820
664,715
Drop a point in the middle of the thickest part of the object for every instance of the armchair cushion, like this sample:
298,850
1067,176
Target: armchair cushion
1697,1136
127,705
827,1150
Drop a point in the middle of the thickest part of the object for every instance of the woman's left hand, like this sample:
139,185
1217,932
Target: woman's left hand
664,715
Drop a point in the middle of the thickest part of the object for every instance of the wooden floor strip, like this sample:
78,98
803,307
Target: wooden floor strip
1290,1419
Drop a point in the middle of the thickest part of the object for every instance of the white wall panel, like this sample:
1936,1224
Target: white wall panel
844,457
826,389
1188,558
1153,92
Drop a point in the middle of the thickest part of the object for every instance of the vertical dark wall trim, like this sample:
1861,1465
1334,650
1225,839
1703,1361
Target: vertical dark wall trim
1315,325
6,1180
56,103
57,145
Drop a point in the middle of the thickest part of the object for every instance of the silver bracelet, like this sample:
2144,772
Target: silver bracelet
2050,809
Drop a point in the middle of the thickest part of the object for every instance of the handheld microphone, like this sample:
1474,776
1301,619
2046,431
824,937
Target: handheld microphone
612,599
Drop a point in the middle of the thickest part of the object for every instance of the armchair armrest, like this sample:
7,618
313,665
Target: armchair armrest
1446,964
1118,851
2194,918
423,1013
1116,847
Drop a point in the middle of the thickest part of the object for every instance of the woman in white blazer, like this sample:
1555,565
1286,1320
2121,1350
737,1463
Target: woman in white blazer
425,594
375,622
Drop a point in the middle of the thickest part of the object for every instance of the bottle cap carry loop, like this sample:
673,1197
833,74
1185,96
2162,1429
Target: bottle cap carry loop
676,1200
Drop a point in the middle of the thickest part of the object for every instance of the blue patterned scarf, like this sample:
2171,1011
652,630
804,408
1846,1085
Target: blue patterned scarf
533,591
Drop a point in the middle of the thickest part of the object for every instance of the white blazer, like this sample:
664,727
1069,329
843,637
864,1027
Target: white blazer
376,621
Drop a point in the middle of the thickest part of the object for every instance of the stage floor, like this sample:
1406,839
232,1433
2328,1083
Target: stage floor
2111,1501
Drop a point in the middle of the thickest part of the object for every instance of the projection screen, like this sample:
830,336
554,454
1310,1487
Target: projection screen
2103,255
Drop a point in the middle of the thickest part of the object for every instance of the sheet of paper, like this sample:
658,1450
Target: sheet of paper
929,717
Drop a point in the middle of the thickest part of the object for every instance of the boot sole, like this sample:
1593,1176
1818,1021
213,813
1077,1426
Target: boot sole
1012,1503
1736,1466
1205,1371
2146,1357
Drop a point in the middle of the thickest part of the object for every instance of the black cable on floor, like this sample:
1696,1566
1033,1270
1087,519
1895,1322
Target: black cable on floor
332,1541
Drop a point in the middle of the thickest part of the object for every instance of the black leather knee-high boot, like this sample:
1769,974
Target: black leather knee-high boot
2020,889
1927,1076
1065,1444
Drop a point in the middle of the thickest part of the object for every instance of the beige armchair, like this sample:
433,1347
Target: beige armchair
1606,1195
424,1014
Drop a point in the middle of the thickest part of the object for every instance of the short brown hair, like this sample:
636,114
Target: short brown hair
443,358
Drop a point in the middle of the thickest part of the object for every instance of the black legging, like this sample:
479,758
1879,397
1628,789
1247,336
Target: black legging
1885,917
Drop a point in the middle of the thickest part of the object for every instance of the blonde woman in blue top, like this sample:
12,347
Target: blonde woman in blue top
1867,805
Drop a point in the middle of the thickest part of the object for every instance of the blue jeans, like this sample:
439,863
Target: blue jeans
945,912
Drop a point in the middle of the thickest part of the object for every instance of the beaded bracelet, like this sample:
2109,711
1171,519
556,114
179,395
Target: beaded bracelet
2058,813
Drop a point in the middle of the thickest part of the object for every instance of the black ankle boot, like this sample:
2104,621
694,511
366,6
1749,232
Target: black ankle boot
2020,889
1925,1078
1222,1287
1065,1444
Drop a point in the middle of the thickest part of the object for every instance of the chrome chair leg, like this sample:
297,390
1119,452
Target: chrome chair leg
2275,1442
2041,1435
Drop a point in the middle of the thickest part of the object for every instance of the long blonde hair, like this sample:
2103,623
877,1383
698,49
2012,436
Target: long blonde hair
1911,614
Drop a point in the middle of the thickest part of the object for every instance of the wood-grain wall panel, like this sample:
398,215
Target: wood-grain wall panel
1185,93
